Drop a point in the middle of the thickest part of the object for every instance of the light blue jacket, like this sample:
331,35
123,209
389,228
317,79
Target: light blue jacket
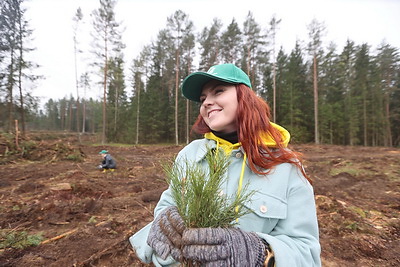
283,206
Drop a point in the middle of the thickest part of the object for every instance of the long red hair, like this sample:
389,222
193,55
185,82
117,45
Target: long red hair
253,120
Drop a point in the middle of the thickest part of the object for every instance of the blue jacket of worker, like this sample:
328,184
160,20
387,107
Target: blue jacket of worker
108,162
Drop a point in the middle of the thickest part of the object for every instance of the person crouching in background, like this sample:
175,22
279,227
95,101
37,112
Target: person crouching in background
108,163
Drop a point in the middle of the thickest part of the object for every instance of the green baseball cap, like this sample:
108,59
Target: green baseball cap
103,152
229,73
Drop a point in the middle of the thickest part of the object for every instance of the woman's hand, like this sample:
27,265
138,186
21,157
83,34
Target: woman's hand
165,235
223,247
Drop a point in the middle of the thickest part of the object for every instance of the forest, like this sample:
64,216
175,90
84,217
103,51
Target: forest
321,94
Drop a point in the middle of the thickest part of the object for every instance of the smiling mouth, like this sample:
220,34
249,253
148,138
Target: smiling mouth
212,112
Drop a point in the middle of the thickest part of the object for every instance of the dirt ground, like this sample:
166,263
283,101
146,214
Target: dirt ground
85,217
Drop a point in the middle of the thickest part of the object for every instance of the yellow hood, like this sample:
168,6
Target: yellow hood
270,142
266,137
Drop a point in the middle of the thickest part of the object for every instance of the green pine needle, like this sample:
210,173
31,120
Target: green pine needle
197,192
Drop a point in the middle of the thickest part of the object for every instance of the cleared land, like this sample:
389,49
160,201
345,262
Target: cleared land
86,217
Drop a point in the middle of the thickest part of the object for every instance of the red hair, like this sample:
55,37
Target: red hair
253,120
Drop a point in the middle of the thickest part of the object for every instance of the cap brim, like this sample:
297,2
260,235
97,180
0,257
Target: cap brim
194,83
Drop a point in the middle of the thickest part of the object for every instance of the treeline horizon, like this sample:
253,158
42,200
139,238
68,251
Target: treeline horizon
319,94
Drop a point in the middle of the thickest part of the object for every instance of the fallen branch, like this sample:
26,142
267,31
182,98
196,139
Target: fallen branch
143,206
122,243
58,237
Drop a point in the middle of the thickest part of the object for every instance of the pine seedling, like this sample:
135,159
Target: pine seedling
197,192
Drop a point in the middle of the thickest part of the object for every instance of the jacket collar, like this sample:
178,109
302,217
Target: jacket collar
213,141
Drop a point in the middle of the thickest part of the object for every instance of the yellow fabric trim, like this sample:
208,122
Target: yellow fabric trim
266,139
241,180
222,143
270,142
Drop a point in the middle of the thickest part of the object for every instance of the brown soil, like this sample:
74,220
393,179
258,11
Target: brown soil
93,214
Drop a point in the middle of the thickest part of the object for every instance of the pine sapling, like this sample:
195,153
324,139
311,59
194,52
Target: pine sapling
196,191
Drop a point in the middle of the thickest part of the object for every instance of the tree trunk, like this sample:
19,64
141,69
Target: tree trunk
388,135
103,136
116,110
138,113
316,130
365,120
16,135
70,116
188,108
83,115
176,95
77,92
10,86
21,98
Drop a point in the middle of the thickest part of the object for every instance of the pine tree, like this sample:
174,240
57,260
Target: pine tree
116,96
331,98
255,56
15,36
107,40
295,97
316,31
84,82
388,61
139,71
361,89
231,44
179,27
346,82
209,41
188,54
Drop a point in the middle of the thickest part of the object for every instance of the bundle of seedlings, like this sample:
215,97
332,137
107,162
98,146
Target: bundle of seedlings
197,193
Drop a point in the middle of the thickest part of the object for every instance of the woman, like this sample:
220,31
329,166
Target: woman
282,229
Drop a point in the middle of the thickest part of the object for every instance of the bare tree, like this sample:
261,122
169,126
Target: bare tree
272,31
107,39
77,19
178,24
139,68
85,84
315,31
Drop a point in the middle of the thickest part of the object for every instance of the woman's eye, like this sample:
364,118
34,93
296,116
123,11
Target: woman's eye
218,91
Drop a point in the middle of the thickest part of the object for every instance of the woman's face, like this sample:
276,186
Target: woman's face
219,105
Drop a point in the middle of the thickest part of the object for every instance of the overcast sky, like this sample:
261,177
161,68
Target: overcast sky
363,21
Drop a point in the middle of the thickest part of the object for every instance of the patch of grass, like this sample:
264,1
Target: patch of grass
351,168
18,240
352,226
359,211
112,145
92,219
75,157
346,169
392,171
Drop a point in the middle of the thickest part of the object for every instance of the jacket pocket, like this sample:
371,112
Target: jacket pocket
267,206
266,211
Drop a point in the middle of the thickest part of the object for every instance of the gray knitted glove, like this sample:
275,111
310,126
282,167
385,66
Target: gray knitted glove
165,234
223,247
